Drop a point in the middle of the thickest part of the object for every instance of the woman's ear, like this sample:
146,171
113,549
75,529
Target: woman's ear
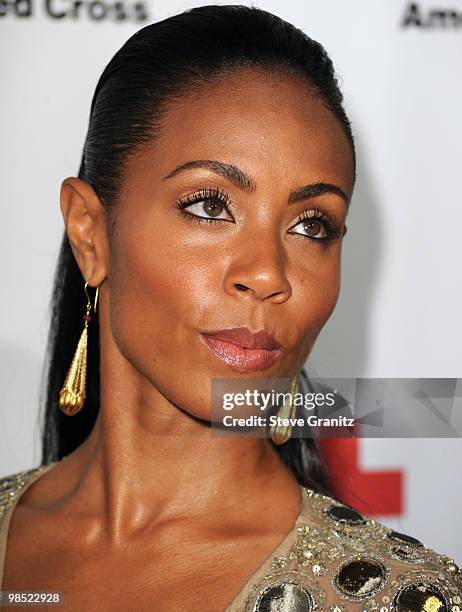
85,221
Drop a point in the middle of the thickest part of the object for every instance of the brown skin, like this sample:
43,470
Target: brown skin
151,480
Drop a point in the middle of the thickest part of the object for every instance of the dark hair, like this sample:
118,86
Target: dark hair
160,62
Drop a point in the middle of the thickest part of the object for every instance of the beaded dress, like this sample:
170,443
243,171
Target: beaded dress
333,559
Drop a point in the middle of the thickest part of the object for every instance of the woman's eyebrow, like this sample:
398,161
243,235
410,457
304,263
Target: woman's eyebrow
239,178
229,171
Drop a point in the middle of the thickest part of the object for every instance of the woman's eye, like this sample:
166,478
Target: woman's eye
213,209
313,228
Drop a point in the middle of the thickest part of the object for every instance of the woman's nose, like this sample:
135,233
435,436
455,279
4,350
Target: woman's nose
258,267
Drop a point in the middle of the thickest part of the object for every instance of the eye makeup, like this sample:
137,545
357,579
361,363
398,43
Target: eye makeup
214,198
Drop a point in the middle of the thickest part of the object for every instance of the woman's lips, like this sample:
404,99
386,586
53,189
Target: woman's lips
247,359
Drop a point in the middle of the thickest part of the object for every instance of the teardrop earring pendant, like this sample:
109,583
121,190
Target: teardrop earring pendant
281,433
73,393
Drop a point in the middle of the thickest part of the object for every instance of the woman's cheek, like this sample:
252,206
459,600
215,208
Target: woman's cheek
319,295
142,301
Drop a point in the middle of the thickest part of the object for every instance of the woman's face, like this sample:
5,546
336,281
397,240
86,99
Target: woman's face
259,264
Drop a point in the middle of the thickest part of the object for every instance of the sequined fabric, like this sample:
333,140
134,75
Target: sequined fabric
340,560
12,486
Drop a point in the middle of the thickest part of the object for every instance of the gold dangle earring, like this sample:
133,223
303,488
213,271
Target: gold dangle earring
281,433
72,395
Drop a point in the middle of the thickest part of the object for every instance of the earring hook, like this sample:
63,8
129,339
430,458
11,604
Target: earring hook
88,297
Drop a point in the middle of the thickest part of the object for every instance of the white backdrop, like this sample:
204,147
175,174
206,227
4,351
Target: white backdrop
399,310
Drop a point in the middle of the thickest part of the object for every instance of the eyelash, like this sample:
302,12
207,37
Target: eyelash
218,195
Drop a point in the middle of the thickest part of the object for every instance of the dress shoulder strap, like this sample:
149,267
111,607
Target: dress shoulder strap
11,489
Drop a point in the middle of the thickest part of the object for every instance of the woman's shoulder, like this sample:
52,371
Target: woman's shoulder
339,559
12,486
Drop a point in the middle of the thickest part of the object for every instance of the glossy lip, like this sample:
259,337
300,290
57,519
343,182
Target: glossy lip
242,349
